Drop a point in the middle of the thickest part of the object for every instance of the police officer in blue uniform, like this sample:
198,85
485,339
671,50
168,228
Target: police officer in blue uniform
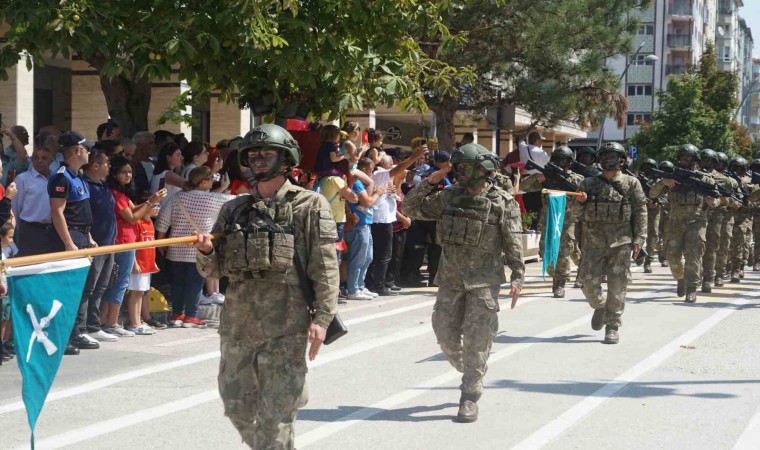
70,210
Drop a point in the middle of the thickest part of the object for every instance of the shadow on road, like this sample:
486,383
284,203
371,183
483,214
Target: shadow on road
343,413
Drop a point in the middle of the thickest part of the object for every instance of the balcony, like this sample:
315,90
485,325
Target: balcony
679,41
681,9
725,9
676,69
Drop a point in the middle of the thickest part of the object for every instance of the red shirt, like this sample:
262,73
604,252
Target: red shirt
146,257
126,233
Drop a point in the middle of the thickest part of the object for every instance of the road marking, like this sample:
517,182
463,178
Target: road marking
187,341
392,312
751,436
110,381
346,421
569,418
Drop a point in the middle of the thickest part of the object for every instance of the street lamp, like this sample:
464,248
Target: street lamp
649,58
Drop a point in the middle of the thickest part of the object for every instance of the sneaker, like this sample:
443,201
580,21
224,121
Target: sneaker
91,339
217,298
156,324
342,293
102,336
193,322
206,300
366,291
147,327
175,321
118,330
140,331
359,295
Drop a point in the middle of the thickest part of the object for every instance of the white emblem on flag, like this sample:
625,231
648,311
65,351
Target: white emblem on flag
39,334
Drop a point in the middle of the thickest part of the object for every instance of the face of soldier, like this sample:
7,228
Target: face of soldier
647,169
609,161
707,165
587,159
687,162
563,162
265,163
741,171
469,175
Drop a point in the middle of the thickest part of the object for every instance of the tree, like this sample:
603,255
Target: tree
547,57
328,54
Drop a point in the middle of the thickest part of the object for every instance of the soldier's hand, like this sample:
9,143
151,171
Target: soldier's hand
317,335
438,175
669,183
710,201
541,178
636,250
514,292
203,244
583,198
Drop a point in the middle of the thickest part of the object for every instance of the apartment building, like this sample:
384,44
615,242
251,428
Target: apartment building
754,102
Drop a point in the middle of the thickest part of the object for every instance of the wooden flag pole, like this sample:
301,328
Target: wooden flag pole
553,191
95,251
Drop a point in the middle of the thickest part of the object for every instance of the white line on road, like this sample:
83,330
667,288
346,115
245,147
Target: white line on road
392,312
569,418
187,341
751,436
344,422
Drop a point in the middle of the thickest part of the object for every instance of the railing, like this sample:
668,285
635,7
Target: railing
681,8
675,69
679,40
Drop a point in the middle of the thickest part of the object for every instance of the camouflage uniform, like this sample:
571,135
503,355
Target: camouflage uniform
716,220
742,236
686,244
473,232
613,219
567,240
756,239
265,320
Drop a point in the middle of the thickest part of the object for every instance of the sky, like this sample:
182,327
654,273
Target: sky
751,13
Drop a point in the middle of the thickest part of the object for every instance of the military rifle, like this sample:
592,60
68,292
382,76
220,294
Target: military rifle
744,191
586,172
689,181
755,178
553,172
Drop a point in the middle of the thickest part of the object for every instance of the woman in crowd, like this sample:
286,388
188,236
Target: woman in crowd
127,215
194,210
237,175
164,173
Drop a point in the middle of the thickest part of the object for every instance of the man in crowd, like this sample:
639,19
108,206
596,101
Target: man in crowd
31,206
613,212
471,272
266,325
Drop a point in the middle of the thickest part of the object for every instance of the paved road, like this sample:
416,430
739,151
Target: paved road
683,376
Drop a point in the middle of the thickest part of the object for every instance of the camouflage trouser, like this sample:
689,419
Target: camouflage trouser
262,385
712,244
663,230
684,249
566,245
615,262
756,237
653,231
740,241
465,324
726,237
575,252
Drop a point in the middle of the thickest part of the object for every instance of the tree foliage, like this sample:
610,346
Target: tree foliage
331,54
547,57
696,108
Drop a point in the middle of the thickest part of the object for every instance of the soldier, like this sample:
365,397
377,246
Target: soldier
587,157
688,216
742,222
654,206
726,228
476,221
614,216
563,157
755,168
715,218
266,324
665,166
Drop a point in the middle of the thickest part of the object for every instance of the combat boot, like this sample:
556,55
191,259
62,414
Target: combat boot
598,319
756,267
735,278
661,258
577,284
741,273
719,282
647,267
691,296
681,288
468,408
558,288
611,335
665,263
706,287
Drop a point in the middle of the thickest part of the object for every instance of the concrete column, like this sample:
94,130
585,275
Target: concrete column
246,121
184,127
17,96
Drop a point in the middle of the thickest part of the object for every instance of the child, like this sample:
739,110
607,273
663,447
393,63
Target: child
138,304
331,161
9,250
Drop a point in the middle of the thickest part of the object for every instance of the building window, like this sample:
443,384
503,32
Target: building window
640,60
639,89
638,118
725,54
646,29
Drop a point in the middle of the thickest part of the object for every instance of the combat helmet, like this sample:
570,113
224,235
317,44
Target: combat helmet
647,162
722,158
586,151
612,147
562,154
667,166
709,154
270,136
755,165
480,158
688,150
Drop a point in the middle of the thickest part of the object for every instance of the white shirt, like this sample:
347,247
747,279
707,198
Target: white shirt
155,182
535,154
385,206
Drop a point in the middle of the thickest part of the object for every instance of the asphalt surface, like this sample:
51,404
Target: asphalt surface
683,377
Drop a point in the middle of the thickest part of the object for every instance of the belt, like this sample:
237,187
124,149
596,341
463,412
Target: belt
83,230
36,224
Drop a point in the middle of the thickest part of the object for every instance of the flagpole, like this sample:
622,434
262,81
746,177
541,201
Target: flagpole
95,251
553,191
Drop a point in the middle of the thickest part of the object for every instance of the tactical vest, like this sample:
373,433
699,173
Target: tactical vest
470,222
259,237
607,204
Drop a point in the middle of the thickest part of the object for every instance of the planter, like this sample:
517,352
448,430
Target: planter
303,110
288,110
530,246
259,108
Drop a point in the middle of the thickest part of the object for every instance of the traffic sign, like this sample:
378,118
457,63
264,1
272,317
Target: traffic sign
633,151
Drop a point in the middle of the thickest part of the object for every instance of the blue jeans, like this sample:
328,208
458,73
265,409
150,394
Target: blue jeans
359,242
125,261
187,285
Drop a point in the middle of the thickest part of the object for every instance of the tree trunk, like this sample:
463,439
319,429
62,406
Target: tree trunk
128,102
445,109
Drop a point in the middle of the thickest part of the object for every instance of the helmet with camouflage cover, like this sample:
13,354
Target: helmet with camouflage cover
273,137
469,159
667,166
562,156
611,156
